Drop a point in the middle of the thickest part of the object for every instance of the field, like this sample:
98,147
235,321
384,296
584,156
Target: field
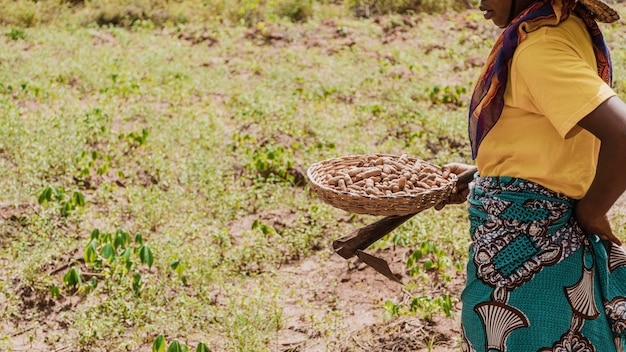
154,192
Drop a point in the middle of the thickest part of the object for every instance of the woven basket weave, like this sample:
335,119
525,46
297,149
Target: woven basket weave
402,203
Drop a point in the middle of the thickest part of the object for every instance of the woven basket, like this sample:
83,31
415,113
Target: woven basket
359,197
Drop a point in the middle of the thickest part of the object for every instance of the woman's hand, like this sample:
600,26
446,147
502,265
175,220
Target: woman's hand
462,190
596,224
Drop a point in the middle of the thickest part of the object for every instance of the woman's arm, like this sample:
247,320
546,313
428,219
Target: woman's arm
607,123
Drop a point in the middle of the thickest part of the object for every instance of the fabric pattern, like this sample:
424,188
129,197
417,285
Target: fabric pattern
487,99
535,281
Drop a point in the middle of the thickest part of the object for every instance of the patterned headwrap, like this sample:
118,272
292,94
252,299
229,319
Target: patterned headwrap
488,97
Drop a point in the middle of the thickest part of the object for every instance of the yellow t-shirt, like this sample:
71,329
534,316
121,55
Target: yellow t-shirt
553,83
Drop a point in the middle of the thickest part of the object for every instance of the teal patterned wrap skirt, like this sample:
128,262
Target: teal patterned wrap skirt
535,281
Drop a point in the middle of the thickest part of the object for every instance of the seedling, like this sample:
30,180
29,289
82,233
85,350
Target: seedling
447,95
111,256
160,345
16,34
67,203
431,259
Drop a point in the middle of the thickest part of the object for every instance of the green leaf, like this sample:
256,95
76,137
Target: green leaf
122,239
428,264
159,344
79,199
59,193
202,348
67,208
45,196
55,291
95,234
145,254
178,267
91,251
175,347
106,238
72,278
108,252
126,254
138,238
136,282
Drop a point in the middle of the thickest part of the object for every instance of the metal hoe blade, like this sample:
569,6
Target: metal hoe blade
378,264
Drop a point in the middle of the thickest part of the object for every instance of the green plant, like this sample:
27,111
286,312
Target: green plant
427,307
135,139
87,162
271,162
72,278
392,309
16,34
179,268
247,12
160,345
430,258
116,247
115,256
67,203
447,95
295,10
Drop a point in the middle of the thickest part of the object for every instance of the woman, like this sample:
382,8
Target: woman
545,270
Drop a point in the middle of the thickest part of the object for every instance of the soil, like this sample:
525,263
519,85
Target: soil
356,293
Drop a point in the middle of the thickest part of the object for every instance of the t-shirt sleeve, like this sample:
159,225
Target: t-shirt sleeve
559,83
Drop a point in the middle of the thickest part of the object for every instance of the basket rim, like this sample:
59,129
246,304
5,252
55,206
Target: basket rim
451,179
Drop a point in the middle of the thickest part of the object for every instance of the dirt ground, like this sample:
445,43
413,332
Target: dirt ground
356,293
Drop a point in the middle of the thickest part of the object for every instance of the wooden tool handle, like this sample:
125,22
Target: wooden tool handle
363,237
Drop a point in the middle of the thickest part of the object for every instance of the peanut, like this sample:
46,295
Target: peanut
401,182
369,173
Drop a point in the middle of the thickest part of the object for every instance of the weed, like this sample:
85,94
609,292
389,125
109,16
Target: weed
160,345
66,202
392,309
270,163
295,10
16,34
447,95
135,139
427,307
112,257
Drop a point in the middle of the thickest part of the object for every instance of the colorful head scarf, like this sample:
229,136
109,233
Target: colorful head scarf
488,98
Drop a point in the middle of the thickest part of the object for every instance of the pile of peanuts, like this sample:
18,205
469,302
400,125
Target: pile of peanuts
384,175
